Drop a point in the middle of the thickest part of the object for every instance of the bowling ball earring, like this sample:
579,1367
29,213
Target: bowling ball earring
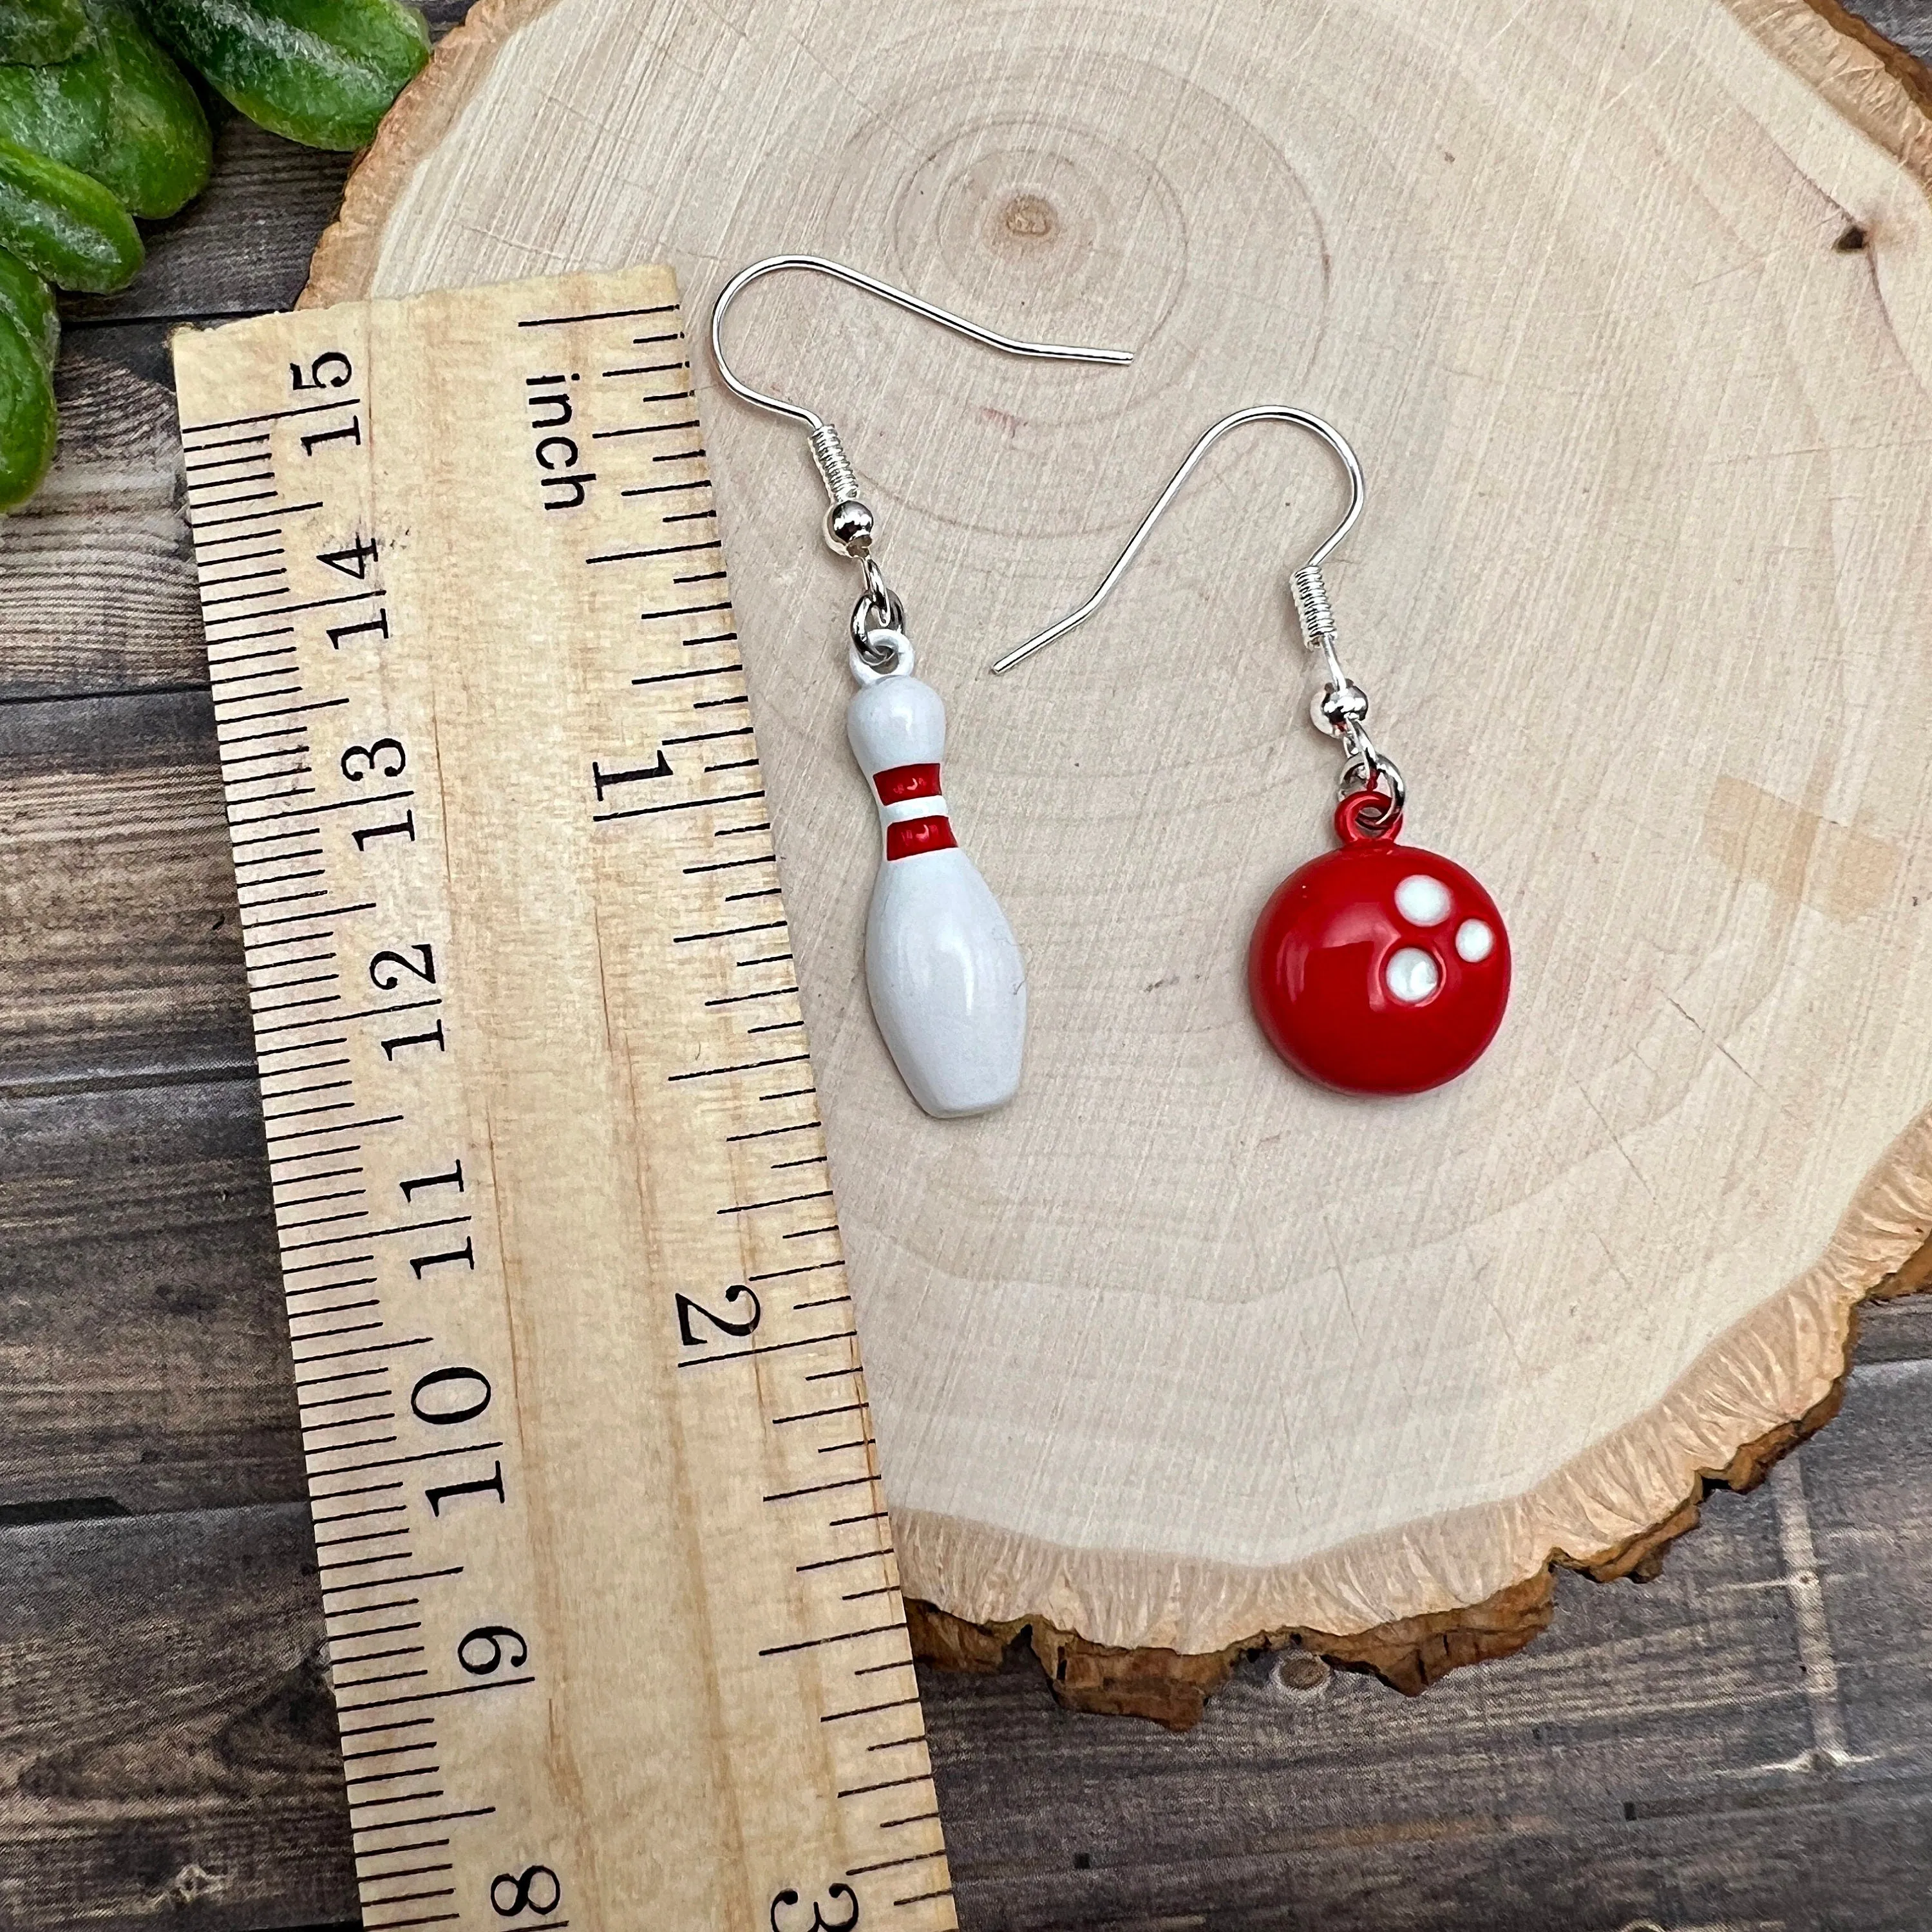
1378,968
947,983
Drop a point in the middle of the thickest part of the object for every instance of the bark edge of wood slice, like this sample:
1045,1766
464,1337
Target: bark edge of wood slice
1682,1167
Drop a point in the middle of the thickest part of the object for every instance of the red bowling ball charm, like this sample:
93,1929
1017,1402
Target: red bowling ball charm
1378,968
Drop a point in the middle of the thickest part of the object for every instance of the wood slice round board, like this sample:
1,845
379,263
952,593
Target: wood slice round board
1627,307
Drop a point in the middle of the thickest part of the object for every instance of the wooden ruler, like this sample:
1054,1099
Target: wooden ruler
613,1620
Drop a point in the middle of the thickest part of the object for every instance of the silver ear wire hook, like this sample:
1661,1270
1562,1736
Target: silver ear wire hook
1341,708
849,523
1311,596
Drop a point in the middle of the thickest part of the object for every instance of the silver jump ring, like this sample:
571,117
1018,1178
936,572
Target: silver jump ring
1372,772
871,615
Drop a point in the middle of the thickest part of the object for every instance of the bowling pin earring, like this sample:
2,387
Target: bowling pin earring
947,983
1376,968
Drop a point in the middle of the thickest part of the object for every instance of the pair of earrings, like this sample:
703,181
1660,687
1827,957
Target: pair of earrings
1375,968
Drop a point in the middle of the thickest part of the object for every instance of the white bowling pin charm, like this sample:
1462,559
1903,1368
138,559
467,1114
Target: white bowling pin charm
948,986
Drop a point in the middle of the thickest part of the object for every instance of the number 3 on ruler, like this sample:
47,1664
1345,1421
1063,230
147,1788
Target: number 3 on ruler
820,1923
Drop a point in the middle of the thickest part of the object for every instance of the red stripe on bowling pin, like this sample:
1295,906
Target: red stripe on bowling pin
904,781
907,837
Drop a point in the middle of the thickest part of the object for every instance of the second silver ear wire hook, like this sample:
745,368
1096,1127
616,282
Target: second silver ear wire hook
1341,708
878,618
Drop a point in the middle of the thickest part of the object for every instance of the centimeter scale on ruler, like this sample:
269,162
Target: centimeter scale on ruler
613,1622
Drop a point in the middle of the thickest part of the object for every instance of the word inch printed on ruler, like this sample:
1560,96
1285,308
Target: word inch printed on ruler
613,1620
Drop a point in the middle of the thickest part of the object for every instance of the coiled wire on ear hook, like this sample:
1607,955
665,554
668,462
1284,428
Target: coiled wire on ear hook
1341,708
849,523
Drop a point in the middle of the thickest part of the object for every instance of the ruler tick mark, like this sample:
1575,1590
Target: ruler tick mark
355,1422
833,1562
254,638
662,549
817,1489
914,1818
697,671
436,1696
742,1066
775,1349
256,738
383,1583
727,931
374,1233
918,1898
324,1220
248,576
311,811
785,1201
407,1898
250,517
331,1287
887,1864
282,711
666,489
338,1019
735,999
230,443
883,1784
810,1267
595,315
370,1536
867,1711
330,1334
393,1750
224,502
818,1415
367,1348
704,737
304,1133
677,805
267,415
646,429
837,1637
683,610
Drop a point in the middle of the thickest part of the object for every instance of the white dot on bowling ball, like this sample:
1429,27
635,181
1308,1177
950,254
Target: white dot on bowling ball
1474,940
1411,975
1421,900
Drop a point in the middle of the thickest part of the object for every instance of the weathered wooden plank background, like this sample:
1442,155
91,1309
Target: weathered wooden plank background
1745,1743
